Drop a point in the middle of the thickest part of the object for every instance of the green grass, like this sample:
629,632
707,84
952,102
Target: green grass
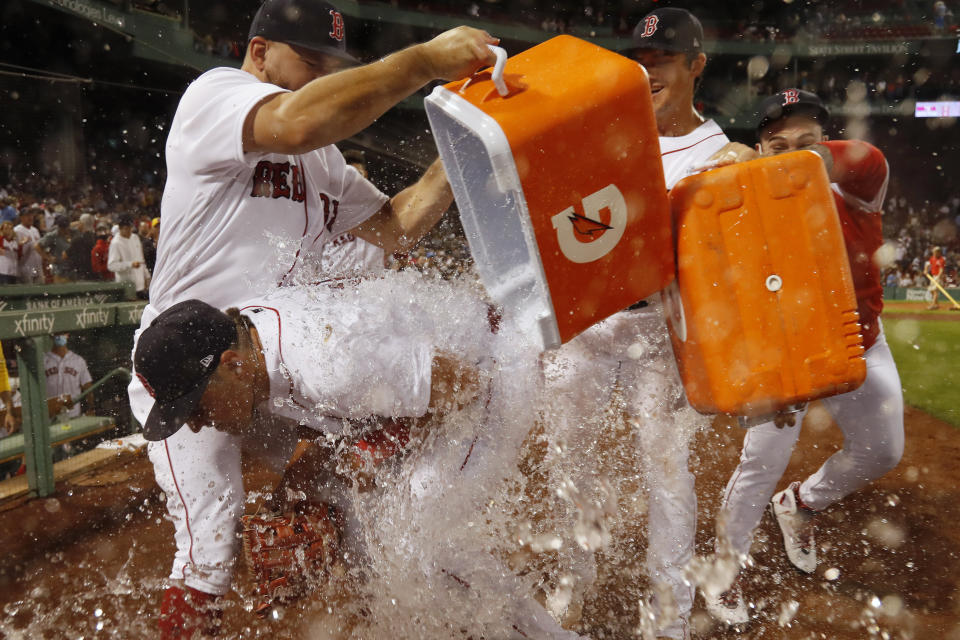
927,353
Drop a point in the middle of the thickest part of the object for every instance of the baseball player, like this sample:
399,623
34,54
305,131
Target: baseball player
66,372
870,417
254,184
307,353
934,267
629,354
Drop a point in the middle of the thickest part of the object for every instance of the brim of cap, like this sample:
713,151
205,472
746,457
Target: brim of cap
166,419
673,48
329,51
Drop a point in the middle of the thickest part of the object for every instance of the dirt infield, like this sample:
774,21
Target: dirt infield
91,560
903,310
893,543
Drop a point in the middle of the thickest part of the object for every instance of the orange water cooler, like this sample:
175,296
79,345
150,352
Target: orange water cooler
559,184
763,313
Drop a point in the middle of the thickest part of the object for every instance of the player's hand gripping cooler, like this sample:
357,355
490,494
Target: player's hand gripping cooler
554,161
763,313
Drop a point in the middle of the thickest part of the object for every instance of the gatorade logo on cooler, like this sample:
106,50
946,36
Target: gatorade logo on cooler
585,238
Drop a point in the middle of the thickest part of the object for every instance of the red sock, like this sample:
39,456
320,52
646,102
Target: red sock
186,611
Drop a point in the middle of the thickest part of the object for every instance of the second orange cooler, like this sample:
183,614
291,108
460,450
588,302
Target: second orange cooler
763,313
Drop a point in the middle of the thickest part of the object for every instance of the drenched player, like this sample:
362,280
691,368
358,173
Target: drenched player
254,184
300,358
870,417
629,355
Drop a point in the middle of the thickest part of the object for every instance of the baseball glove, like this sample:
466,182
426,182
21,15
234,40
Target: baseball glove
291,555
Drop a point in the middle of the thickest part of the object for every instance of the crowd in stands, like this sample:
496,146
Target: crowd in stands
764,22
869,19
914,233
44,241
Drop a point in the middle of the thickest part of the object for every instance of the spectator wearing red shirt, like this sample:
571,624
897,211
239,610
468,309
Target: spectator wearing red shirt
99,256
934,268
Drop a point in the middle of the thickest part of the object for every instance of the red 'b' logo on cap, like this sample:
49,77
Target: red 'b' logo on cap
791,96
337,33
649,26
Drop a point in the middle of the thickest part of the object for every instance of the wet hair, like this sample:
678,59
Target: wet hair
244,341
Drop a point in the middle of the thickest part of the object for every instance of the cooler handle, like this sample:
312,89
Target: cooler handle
497,75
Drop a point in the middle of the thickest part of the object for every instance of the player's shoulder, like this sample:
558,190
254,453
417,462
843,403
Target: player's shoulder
214,85
222,75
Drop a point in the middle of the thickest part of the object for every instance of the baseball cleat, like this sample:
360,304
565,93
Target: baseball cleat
797,526
728,607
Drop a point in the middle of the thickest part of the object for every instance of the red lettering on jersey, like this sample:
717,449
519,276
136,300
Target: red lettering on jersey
262,180
329,212
791,96
280,187
339,241
338,30
52,371
299,186
650,26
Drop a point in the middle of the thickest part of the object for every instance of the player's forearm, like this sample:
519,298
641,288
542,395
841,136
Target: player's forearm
858,167
335,107
410,214
419,207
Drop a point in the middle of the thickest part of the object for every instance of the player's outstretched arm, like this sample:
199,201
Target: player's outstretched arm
410,214
335,107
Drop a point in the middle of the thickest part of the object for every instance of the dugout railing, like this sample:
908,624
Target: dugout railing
29,317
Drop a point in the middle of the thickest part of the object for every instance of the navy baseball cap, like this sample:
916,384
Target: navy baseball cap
790,101
311,24
669,29
175,358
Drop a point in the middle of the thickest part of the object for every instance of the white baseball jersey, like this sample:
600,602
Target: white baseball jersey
234,224
31,264
331,352
349,255
631,351
66,376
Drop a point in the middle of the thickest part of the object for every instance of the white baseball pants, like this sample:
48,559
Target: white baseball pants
871,419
